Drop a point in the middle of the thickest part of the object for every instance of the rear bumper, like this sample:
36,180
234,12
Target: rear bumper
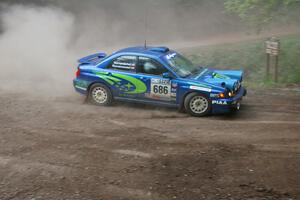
229,104
80,86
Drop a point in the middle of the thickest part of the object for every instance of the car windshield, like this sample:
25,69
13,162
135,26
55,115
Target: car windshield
181,65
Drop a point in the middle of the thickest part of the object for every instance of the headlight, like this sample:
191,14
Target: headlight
236,86
226,94
239,85
221,95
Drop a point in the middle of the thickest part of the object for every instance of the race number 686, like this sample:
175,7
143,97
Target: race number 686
160,89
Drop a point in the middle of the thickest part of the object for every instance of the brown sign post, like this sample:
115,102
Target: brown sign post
272,50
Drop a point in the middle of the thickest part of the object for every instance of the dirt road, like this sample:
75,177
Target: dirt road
62,148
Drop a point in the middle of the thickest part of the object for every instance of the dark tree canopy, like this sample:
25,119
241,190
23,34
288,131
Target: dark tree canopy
259,13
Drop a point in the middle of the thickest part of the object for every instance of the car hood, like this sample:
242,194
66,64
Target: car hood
229,79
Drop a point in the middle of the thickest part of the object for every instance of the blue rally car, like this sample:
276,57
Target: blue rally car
158,75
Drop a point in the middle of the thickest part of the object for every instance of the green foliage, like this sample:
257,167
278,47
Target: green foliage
259,13
251,57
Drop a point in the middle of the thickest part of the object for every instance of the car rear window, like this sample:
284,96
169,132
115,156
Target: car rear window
125,63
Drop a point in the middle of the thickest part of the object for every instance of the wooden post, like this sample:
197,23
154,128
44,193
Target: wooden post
276,69
268,66
272,50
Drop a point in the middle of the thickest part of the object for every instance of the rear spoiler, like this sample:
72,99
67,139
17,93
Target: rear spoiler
92,59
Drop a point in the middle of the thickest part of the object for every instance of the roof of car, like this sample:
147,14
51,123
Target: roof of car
149,50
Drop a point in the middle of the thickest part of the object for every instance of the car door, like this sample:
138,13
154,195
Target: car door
161,89
121,75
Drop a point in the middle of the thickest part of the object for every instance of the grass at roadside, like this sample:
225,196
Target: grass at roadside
250,56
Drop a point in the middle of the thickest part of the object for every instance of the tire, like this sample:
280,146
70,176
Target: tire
100,94
197,104
236,107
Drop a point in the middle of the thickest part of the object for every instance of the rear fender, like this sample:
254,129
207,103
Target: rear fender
101,82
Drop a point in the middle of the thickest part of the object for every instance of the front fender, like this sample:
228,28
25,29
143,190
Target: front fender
185,90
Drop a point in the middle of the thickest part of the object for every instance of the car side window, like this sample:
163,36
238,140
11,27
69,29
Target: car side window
150,66
124,63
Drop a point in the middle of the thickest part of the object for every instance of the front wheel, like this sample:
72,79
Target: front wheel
197,105
99,94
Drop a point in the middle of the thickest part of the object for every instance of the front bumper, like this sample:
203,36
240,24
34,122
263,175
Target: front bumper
228,104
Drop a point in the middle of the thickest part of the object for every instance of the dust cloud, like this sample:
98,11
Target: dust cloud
35,51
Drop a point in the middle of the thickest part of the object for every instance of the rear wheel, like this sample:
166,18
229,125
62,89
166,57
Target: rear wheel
197,105
100,94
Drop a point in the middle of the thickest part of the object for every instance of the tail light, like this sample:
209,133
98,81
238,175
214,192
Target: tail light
77,73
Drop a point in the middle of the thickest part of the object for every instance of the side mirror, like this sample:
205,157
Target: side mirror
167,75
